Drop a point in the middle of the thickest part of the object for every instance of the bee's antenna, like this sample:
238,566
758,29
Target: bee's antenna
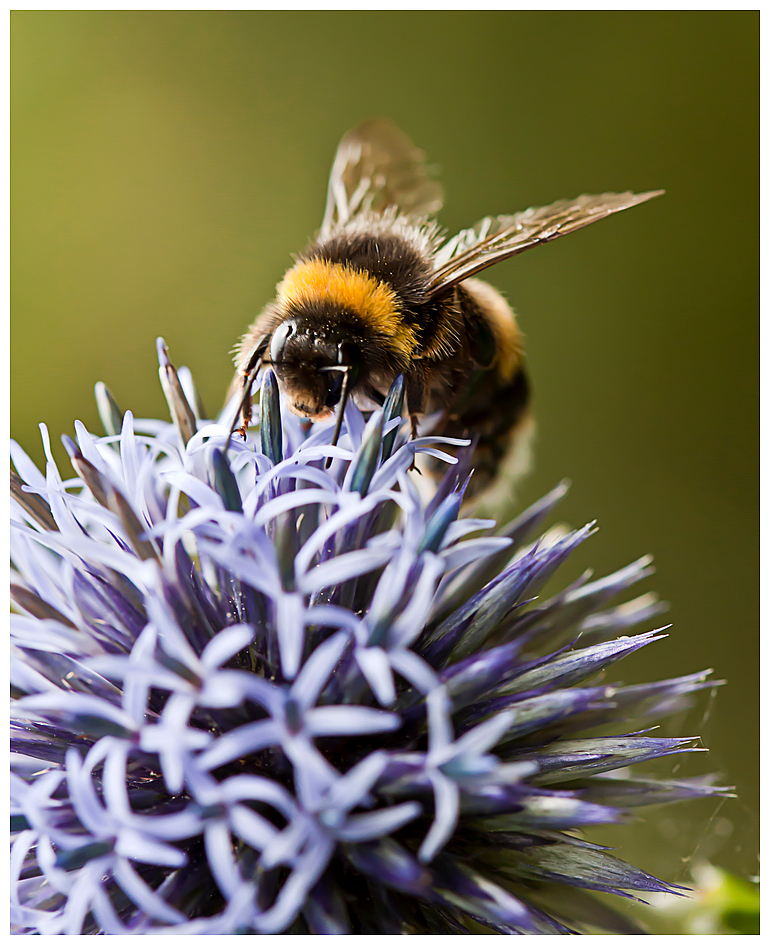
249,375
341,409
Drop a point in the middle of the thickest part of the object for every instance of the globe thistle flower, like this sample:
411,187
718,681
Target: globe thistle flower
255,694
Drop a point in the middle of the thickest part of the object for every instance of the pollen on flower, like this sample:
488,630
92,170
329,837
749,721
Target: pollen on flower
253,694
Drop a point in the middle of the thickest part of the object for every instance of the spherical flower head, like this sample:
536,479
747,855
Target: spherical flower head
263,686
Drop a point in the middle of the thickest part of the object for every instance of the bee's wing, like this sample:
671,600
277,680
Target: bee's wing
377,166
495,238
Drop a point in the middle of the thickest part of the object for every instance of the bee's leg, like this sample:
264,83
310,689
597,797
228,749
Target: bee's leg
340,410
245,379
247,376
416,393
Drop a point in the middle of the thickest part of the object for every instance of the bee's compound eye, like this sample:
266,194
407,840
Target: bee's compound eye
280,336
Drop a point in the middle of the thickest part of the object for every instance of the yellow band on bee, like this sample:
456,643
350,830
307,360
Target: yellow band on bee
318,280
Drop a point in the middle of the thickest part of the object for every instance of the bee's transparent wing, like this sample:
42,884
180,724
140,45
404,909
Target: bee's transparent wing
495,238
377,166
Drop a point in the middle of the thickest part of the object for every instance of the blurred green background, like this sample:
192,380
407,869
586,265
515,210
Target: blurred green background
166,165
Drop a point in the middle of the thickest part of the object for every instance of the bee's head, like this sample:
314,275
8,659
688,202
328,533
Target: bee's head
311,361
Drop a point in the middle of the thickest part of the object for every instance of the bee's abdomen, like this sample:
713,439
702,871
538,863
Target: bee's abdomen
497,415
489,393
494,408
493,334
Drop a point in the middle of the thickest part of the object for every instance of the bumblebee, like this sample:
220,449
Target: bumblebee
381,292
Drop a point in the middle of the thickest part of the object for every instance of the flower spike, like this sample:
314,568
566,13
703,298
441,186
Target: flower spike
256,692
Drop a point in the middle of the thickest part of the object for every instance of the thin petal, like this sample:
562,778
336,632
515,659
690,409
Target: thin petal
350,720
365,827
240,743
317,670
343,568
375,666
226,644
447,805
